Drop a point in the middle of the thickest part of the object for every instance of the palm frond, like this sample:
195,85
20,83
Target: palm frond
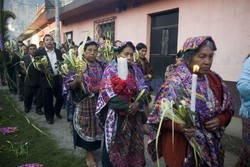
5,15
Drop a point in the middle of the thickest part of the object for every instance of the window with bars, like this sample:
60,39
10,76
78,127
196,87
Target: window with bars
105,27
53,33
69,36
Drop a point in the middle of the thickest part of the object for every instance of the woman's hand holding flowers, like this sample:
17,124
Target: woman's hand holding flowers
133,108
78,79
187,130
77,82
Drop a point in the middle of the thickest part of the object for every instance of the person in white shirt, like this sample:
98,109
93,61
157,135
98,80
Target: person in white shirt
54,87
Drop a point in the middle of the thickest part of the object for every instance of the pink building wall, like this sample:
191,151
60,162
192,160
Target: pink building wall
227,21
35,39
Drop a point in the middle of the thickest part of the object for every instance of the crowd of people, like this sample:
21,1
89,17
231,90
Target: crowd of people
103,108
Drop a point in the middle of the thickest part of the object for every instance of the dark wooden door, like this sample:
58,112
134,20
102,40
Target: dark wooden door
163,44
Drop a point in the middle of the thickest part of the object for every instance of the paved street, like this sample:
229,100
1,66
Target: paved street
60,131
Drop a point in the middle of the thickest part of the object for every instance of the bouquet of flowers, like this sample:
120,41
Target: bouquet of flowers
177,111
10,46
20,53
7,130
41,63
136,56
32,165
124,87
63,68
24,68
81,47
11,49
107,51
73,62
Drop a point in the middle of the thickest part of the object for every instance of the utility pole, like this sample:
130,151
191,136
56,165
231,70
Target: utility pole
57,19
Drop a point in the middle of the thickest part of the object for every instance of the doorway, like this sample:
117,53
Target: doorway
163,44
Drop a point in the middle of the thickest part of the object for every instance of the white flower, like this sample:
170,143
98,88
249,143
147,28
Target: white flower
183,102
165,106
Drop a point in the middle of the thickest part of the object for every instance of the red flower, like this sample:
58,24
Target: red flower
125,91
120,82
124,87
130,76
115,80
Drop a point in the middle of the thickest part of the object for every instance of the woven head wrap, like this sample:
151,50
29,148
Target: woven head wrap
191,45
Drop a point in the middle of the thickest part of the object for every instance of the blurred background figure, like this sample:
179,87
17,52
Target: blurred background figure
63,49
102,41
144,64
40,45
19,45
75,51
171,68
24,50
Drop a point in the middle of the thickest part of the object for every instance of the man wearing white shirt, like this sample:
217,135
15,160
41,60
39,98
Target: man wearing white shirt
54,87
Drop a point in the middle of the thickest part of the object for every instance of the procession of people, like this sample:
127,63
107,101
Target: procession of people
106,93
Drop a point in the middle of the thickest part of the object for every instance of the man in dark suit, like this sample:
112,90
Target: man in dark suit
55,86
32,82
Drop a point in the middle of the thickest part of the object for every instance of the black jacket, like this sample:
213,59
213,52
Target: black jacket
43,81
32,78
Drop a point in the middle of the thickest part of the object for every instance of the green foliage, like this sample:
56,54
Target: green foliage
4,33
42,149
17,148
5,15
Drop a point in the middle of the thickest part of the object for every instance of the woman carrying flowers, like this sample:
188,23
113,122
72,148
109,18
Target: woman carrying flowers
213,111
84,89
121,113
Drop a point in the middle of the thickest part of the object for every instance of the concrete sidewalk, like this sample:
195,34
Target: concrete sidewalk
235,128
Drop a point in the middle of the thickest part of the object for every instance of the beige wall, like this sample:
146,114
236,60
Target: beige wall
227,21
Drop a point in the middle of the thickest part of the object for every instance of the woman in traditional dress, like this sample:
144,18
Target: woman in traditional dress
171,68
213,110
143,63
120,114
147,71
87,132
244,89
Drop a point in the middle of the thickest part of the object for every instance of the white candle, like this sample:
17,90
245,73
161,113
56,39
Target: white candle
172,124
193,92
194,86
122,67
